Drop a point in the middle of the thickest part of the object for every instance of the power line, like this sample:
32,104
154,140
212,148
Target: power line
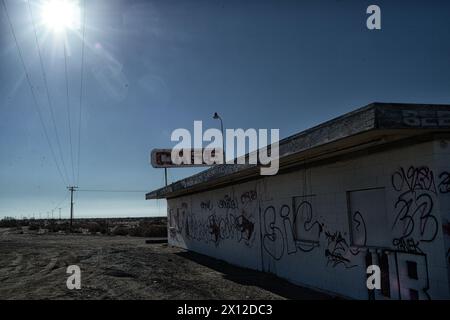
81,92
36,105
102,190
58,205
68,112
52,116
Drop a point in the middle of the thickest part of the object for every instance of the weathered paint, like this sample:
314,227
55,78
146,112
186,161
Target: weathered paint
373,123
304,226
369,187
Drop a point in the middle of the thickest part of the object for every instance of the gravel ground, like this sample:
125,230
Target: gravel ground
34,266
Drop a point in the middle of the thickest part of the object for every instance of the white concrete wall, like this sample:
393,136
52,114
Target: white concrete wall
300,225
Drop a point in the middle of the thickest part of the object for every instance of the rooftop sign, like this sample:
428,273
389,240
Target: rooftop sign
162,158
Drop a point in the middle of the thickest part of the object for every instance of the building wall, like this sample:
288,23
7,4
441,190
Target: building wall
321,226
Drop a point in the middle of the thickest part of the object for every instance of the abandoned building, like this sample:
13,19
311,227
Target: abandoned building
371,187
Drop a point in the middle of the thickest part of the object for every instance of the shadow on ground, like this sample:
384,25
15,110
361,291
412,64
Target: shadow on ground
255,278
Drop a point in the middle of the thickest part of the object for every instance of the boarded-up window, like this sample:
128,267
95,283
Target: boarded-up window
368,218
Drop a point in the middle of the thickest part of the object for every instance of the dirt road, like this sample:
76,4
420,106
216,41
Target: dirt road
34,266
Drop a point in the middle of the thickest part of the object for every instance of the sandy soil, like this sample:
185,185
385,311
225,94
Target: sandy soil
34,267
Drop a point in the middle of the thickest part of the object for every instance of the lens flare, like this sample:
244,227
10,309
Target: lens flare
60,15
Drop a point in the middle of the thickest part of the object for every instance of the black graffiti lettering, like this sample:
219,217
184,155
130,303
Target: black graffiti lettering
206,205
245,227
360,225
287,239
406,245
444,185
414,216
196,229
292,229
403,207
428,223
338,250
227,203
215,228
304,213
414,179
414,206
273,237
177,216
306,227
248,196
413,269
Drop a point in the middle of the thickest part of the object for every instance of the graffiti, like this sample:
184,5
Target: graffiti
172,232
196,228
273,239
413,275
444,185
414,206
360,226
415,222
230,227
248,196
338,252
289,228
216,229
420,179
409,207
206,205
305,227
407,245
177,217
289,237
227,203
245,228
414,179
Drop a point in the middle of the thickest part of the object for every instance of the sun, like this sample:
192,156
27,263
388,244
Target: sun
59,15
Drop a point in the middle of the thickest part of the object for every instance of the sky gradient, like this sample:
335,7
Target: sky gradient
155,66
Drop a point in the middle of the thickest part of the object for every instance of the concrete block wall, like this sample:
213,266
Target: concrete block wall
319,227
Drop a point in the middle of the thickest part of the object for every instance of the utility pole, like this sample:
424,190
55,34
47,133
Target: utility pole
72,189
165,176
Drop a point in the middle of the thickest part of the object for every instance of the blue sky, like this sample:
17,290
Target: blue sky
154,66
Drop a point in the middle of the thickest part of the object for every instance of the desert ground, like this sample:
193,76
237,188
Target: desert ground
33,266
